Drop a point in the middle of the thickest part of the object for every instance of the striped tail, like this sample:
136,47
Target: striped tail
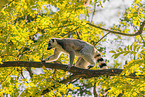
100,60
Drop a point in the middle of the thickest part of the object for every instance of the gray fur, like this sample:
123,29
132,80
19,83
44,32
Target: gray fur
87,54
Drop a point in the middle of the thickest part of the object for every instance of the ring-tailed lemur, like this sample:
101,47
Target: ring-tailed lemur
87,54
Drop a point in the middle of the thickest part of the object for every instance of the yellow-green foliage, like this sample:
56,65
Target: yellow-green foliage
22,20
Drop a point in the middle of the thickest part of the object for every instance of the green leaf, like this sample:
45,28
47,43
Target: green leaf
120,49
131,47
125,49
116,55
128,47
126,53
117,50
112,51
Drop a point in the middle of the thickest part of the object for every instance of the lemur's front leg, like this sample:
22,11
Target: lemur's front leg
52,57
72,56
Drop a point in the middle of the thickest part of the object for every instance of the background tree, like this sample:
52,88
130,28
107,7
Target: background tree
27,25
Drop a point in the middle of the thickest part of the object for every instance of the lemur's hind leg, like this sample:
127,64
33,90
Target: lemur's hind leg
88,55
81,63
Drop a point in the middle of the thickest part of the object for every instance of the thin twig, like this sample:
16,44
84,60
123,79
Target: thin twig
142,39
94,90
117,32
93,11
102,38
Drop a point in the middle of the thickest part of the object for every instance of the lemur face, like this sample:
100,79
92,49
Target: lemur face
51,44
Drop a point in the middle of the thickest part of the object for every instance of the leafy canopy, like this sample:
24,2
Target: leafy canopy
27,25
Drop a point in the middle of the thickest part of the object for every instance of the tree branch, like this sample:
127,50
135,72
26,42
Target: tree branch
85,73
117,32
94,90
77,72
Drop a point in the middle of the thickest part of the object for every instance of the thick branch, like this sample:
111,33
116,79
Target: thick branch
77,72
117,32
86,73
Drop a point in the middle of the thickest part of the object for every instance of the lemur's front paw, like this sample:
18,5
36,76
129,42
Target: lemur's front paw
90,66
43,61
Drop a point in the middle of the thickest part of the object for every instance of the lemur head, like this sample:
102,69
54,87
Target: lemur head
52,43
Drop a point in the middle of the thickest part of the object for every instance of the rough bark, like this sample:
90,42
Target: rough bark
85,73
77,72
